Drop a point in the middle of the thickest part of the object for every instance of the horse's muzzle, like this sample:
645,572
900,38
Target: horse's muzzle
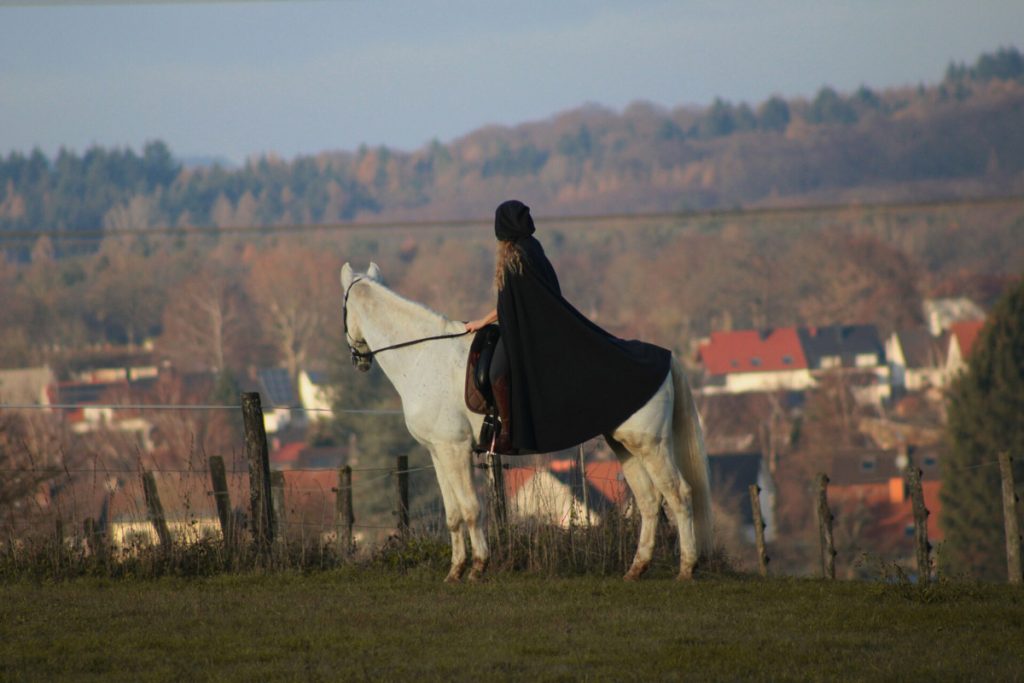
361,362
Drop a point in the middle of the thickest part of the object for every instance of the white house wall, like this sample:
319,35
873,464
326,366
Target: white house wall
547,500
788,380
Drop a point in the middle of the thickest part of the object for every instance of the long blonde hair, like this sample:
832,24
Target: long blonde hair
508,257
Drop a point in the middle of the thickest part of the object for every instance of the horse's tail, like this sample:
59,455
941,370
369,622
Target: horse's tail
692,459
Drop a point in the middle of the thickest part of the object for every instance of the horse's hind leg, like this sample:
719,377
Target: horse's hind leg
647,501
661,468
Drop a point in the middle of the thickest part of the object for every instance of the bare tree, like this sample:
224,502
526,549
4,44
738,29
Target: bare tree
297,296
208,323
34,450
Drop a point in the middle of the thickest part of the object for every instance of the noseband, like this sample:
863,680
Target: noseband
368,355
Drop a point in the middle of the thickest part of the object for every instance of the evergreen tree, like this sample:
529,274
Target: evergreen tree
986,416
773,114
829,107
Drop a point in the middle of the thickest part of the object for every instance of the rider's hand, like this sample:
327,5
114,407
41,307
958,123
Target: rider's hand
474,325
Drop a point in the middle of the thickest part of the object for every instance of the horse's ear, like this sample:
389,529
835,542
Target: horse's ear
346,275
373,272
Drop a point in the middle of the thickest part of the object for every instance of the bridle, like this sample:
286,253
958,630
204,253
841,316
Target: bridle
368,355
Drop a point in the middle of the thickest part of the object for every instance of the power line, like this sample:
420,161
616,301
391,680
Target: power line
776,212
159,406
140,3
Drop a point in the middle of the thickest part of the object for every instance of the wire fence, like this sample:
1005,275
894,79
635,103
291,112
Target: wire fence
94,488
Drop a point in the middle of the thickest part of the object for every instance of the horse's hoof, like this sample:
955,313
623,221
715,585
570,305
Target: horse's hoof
476,574
685,575
455,574
636,571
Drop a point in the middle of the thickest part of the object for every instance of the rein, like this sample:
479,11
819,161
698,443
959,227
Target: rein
358,355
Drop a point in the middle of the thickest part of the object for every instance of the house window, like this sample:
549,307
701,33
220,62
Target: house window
787,360
929,461
866,360
831,361
867,464
735,363
908,531
755,361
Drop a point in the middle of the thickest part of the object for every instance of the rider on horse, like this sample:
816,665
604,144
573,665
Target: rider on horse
567,379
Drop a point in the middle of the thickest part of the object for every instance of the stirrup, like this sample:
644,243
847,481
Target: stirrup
488,435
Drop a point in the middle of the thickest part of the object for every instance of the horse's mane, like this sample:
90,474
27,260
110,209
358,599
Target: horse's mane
414,309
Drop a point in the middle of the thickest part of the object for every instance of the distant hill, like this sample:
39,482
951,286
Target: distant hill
960,137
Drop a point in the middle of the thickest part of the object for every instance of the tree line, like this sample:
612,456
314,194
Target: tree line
955,138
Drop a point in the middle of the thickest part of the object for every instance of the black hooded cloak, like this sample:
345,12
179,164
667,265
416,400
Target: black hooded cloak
569,379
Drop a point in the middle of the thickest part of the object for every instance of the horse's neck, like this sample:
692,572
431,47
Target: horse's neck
396,320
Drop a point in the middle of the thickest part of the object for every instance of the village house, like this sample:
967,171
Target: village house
962,337
917,359
115,502
278,400
754,360
315,395
791,359
930,356
90,406
940,314
868,490
556,495
27,386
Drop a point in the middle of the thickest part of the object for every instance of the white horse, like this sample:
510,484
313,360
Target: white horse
652,444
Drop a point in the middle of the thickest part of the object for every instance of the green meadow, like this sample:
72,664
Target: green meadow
357,624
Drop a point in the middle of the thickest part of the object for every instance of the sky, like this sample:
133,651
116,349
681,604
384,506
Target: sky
240,79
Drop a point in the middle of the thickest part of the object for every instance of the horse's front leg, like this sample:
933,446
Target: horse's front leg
453,463
459,463
453,518
477,537
458,567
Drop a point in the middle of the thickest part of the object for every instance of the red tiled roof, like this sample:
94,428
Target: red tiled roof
966,333
606,477
753,351
603,475
516,478
288,453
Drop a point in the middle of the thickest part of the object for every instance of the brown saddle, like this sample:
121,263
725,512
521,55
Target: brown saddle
479,397
485,398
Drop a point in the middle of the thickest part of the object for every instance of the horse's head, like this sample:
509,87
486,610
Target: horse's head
362,356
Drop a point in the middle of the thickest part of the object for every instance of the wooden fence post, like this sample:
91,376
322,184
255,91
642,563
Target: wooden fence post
155,510
584,494
402,492
1010,520
59,547
258,455
912,476
344,519
755,506
219,481
828,547
94,539
277,506
499,510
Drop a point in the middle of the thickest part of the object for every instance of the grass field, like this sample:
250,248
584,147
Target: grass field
355,624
